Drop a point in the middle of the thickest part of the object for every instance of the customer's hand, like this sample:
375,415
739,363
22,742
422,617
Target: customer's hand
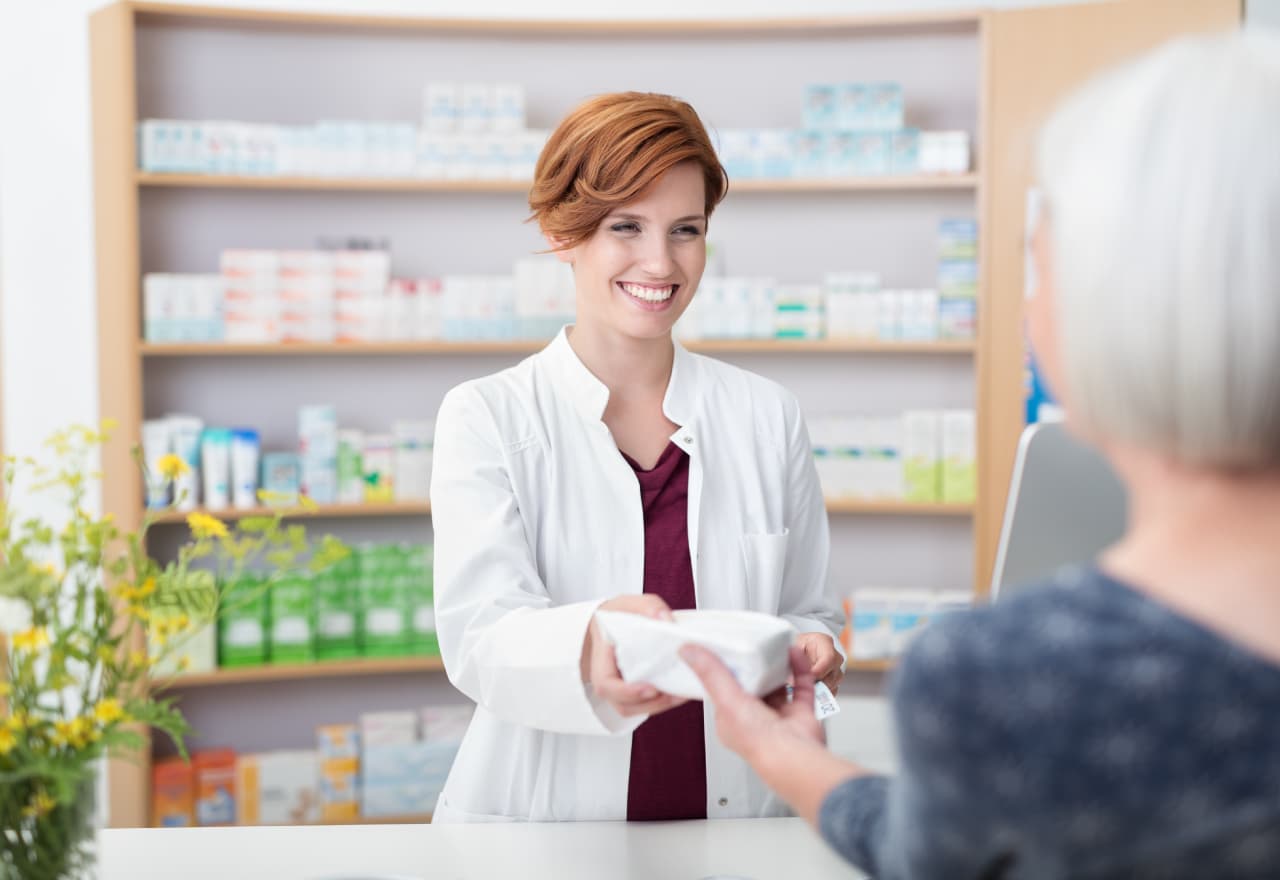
825,661
750,726
600,665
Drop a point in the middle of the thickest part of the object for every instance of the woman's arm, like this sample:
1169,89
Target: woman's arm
504,643
937,817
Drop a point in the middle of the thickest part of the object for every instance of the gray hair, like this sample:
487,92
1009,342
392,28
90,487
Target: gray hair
1162,181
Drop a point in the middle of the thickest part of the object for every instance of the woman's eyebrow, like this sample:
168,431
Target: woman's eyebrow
624,216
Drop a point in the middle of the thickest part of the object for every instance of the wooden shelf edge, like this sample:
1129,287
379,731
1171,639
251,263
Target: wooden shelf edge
883,665
302,671
423,508
919,19
706,346
899,508
755,186
324,511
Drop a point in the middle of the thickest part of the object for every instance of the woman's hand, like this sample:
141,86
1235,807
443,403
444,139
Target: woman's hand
782,740
752,727
600,665
825,661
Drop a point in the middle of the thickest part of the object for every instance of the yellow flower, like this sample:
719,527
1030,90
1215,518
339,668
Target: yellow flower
108,710
184,662
77,732
137,658
106,655
148,587
205,526
16,722
172,466
7,740
32,639
140,612
108,424
5,688
41,805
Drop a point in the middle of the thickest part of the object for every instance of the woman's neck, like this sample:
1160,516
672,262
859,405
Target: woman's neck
1205,542
627,366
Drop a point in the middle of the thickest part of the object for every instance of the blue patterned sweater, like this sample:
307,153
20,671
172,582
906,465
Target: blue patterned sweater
1078,729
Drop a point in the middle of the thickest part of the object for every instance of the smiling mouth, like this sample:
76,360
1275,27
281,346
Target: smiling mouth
649,292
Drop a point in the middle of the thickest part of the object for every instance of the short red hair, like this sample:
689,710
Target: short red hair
607,152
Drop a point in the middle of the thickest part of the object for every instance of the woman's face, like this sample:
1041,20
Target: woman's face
637,274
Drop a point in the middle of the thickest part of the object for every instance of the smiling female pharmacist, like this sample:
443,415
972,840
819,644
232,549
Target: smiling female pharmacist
616,470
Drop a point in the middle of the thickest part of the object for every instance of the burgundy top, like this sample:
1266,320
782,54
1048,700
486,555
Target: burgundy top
668,758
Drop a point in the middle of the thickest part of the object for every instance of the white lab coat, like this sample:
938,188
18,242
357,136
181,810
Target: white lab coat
538,520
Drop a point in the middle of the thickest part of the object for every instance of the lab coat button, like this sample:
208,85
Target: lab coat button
724,802
687,438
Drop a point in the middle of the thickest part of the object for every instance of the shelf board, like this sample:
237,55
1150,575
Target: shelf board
423,508
671,27
897,508
302,671
421,185
323,511
428,347
883,665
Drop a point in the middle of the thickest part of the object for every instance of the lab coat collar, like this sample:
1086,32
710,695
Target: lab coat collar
590,396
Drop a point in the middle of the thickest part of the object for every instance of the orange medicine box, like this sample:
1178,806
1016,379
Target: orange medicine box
215,787
173,793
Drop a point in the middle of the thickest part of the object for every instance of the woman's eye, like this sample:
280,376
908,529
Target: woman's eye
687,231
624,227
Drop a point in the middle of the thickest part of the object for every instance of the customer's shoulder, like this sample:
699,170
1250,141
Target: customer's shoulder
1049,622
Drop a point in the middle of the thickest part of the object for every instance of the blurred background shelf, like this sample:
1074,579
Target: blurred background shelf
299,671
869,665
718,346
322,511
423,508
412,185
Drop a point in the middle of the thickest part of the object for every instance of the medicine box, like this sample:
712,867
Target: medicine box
242,629
292,619
921,444
337,601
215,787
279,788
959,473
172,794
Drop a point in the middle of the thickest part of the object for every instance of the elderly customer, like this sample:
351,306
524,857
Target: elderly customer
1123,718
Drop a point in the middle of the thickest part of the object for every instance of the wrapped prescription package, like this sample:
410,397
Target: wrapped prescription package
753,646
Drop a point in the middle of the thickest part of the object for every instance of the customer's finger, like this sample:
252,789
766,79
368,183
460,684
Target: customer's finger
722,688
802,672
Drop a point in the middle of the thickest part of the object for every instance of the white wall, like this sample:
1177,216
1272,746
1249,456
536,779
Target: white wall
48,356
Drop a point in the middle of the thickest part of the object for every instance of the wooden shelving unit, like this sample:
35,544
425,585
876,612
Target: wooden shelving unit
885,183
1012,66
363,666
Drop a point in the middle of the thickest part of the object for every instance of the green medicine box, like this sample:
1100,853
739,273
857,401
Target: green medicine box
242,629
292,619
384,622
337,599
421,602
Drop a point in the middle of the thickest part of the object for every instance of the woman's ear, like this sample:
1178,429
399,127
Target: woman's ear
557,246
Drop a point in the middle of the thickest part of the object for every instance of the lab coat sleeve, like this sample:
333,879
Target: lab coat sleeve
504,643
808,600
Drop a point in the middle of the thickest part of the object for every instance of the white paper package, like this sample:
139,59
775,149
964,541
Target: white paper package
753,646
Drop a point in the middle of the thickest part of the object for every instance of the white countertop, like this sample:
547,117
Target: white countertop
752,849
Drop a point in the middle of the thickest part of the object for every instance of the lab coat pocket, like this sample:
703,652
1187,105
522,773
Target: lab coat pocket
764,560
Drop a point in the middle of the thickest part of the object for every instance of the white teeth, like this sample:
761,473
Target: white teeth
650,294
